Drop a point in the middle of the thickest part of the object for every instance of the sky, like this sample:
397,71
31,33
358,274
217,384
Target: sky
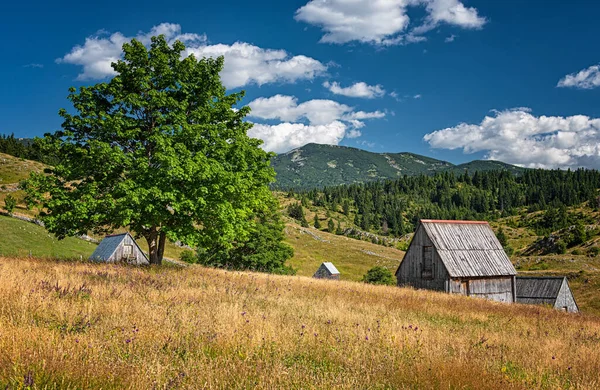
457,80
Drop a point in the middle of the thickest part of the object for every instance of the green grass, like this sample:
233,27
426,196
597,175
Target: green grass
353,258
20,238
14,169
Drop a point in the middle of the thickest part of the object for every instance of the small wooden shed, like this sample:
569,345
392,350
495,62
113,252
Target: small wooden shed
546,290
327,271
119,248
459,257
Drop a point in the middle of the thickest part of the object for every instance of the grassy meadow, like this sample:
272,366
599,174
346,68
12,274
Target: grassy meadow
74,325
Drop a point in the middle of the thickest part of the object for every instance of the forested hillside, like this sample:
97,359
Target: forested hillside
393,207
317,166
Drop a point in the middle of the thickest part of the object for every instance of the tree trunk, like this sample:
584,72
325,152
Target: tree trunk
152,239
161,246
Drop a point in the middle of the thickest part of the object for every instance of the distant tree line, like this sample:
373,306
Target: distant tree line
393,207
23,148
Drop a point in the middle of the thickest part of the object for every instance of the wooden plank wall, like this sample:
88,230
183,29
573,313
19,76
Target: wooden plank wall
409,273
565,299
137,257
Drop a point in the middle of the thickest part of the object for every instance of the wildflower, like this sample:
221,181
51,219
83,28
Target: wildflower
243,313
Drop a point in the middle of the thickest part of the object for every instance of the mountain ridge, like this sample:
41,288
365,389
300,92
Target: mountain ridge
318,165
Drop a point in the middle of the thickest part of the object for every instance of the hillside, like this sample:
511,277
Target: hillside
316,165
186,328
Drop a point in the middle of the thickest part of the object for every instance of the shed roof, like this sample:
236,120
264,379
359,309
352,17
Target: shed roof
331,268
538,289
109,245
468,248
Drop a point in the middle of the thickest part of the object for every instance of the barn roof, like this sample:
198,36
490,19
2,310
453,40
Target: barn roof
468,248
538,289
109,245
331,268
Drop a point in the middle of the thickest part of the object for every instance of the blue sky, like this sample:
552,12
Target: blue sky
452,79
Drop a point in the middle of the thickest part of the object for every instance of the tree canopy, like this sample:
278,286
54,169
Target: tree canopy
158,149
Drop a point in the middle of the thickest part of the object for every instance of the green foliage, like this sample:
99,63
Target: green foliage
560,247
24,148
579,235
338,229
502,237
593,251
188,256
263,251
379,275
159,150
316,222
393,207
330,226
10,202
403,245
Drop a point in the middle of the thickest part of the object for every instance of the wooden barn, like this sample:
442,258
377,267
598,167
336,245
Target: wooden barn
459,257
327,271
119,248
546,290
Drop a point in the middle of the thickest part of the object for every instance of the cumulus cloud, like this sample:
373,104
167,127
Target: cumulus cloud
383,22
317,120
359,90
286,136
244,63
585,79
518,137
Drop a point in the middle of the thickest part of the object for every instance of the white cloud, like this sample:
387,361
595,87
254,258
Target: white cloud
244,63
287,109
34,65
98,52
286,136
248,64
518,137
451,38
383,22
417,96
359,90
585,79
327,122
452,12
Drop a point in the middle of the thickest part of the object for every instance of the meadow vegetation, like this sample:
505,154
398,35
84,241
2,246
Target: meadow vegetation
81,325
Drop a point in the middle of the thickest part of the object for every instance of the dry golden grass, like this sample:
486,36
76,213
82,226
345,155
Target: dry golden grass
79,325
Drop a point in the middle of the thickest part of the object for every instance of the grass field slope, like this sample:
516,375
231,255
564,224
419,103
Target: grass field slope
82,325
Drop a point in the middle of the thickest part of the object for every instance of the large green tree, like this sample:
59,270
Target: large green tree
160,150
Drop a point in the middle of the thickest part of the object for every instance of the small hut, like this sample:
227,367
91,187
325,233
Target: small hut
459,257
327,271
119,248
546,290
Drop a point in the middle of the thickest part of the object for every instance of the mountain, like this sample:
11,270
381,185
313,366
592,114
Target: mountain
316,165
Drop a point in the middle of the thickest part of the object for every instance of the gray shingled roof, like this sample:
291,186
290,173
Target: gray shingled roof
109,245
331,268
468,248
538,289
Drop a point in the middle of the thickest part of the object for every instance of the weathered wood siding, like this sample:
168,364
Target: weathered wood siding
410,270
135,257
565,300
496,289
323,273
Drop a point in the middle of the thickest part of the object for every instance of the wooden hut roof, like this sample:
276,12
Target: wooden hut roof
331,268
538,289
109,245
468,248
